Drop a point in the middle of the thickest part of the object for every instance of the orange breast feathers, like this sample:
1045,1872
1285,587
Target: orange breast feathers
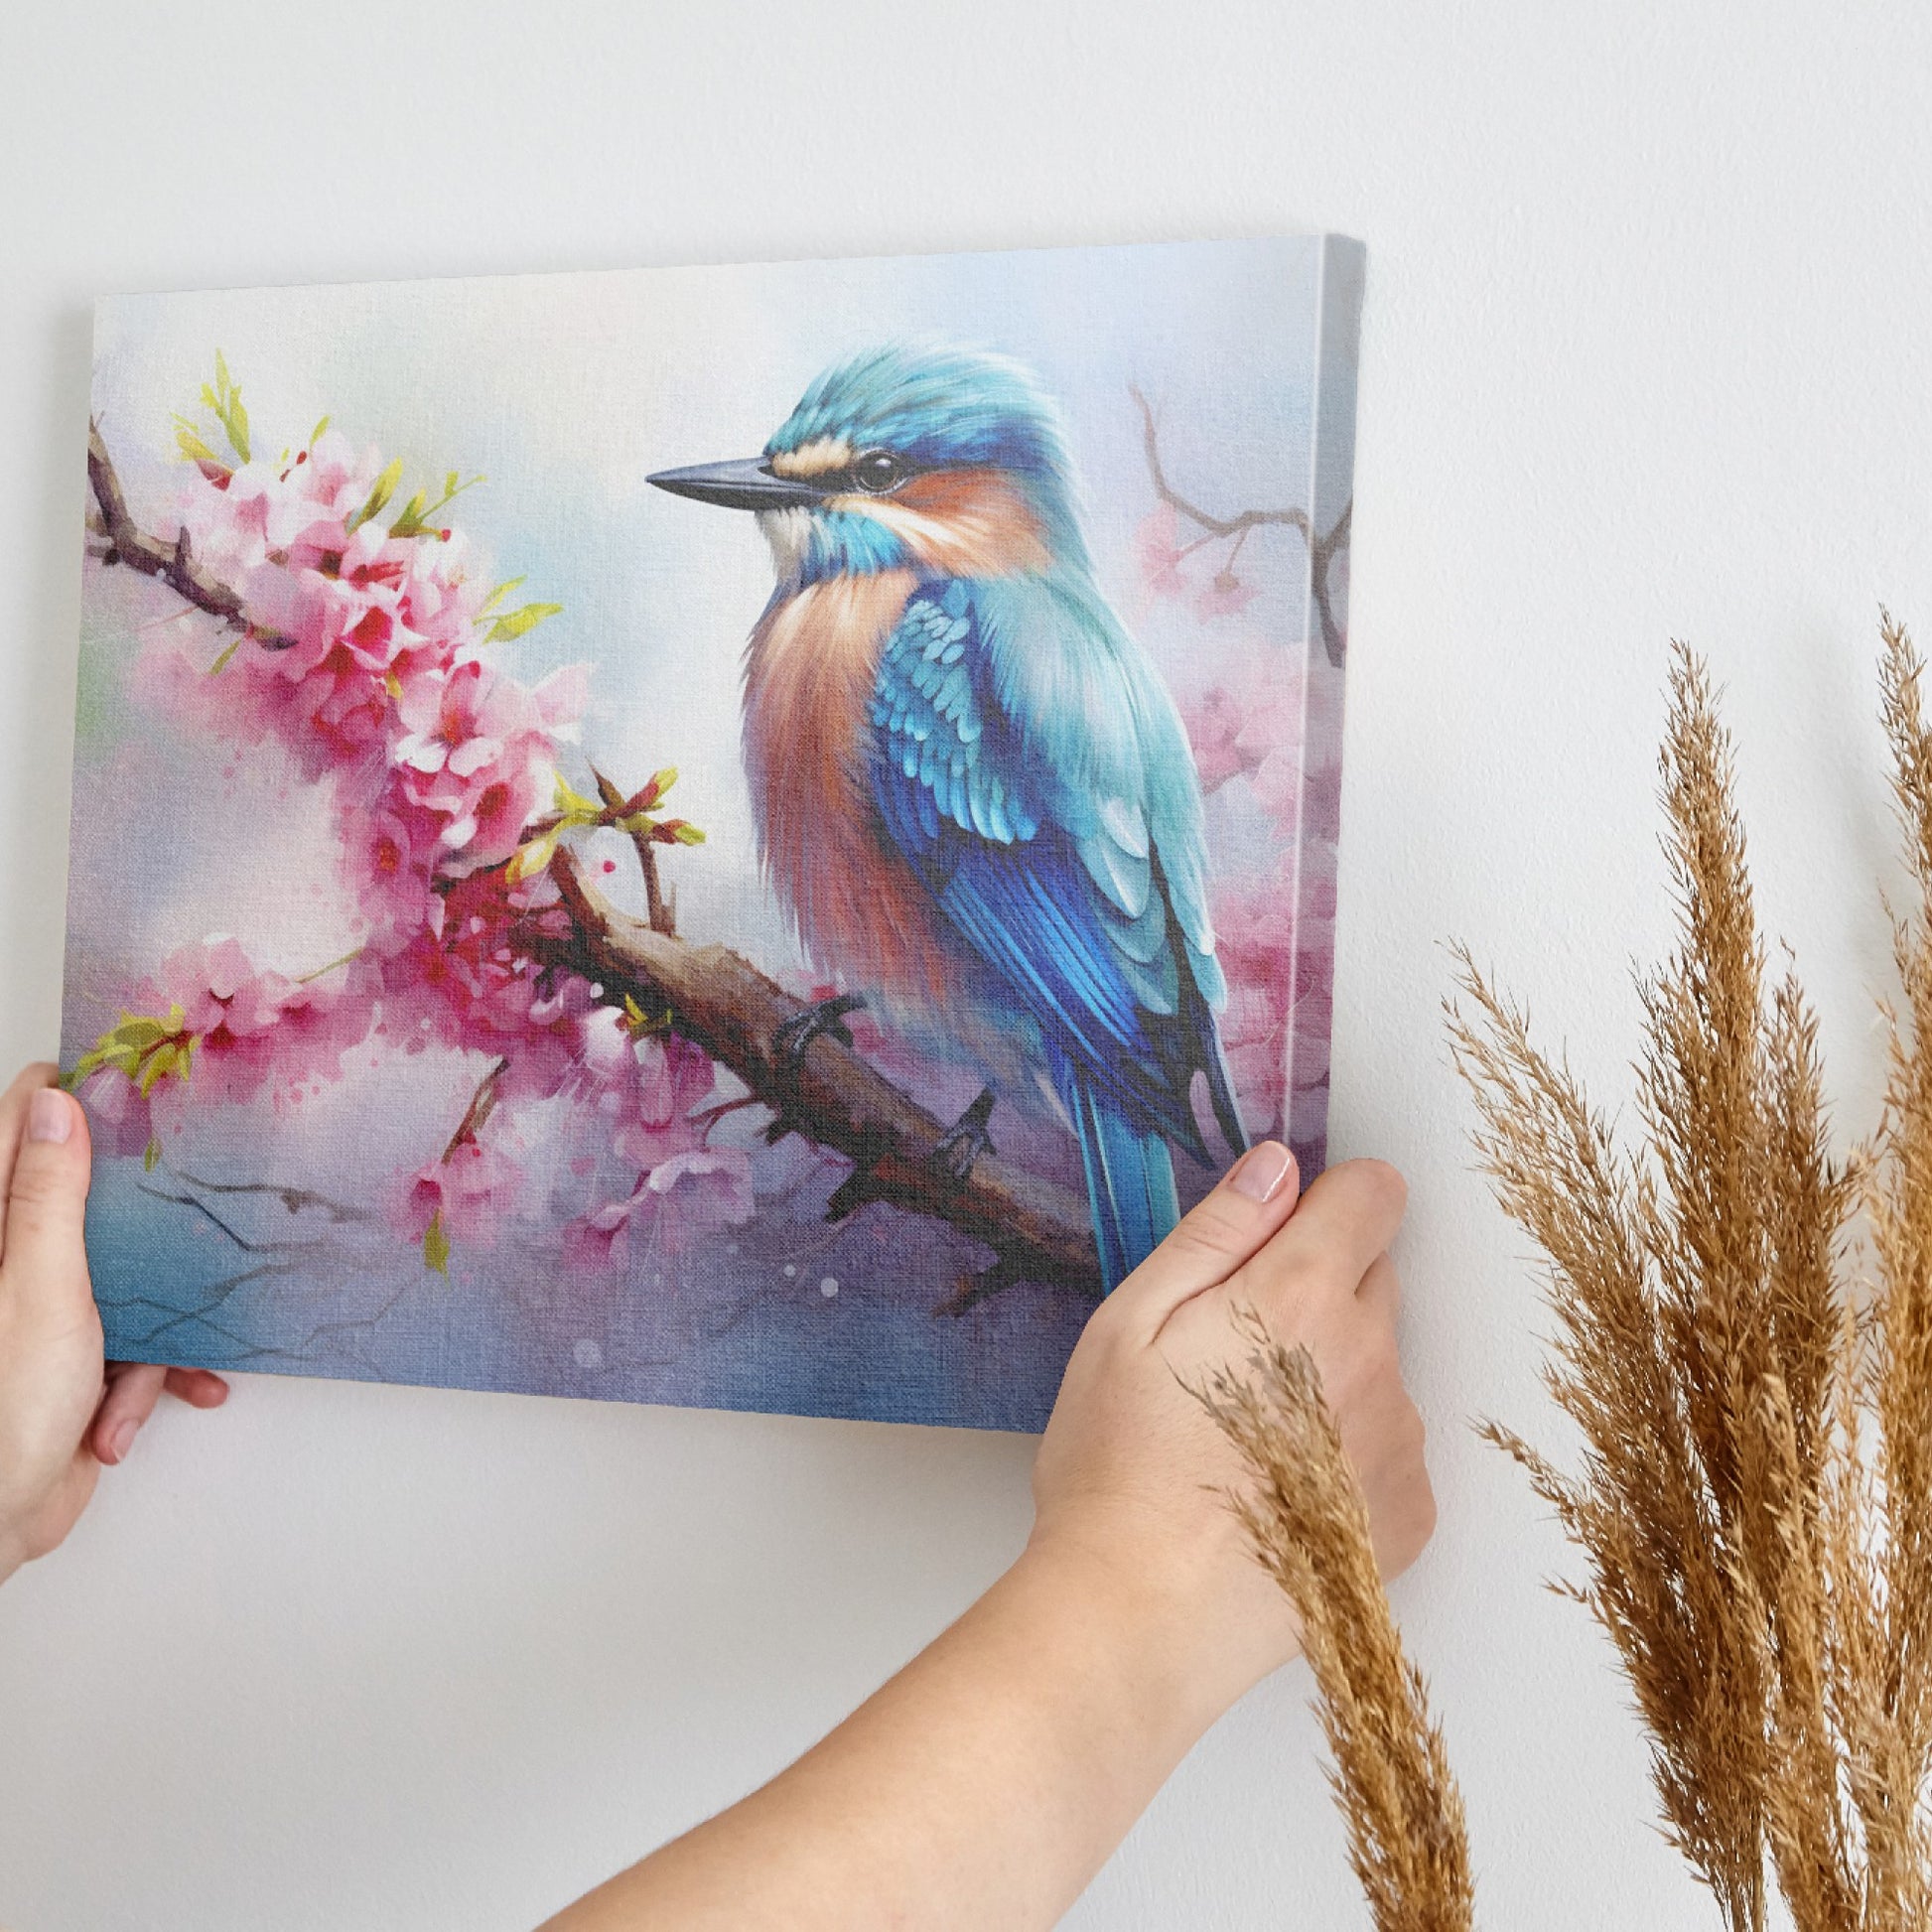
808,679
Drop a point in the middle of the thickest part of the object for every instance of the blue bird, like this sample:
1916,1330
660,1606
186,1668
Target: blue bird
974,795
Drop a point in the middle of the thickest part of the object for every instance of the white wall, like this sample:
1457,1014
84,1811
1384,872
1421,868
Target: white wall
1645,353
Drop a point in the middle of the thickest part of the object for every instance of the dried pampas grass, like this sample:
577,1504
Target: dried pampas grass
1308,1524
1743,1338
1754,1496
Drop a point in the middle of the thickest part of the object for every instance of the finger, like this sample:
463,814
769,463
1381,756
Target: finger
1348,1217
1251,1201
44,1264
128,1403
200,1387
13,1125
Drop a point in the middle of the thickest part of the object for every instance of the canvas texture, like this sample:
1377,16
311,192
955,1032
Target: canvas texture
740,837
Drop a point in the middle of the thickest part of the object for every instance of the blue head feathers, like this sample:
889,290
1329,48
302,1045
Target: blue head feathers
907,456
934,407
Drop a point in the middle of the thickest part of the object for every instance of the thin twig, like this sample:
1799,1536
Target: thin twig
659,900
1322,550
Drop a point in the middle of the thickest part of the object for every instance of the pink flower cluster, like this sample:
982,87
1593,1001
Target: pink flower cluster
368,660
1281,997
1262,726
377,681
675,1183
245,1031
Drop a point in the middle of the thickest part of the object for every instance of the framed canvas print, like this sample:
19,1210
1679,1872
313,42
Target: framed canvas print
733,836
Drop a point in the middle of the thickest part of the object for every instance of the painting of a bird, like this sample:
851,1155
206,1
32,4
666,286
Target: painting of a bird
973,793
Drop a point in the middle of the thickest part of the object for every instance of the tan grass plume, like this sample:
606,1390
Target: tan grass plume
1306,1519
1754,1495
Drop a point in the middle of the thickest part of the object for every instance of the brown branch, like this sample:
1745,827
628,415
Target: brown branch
483,1103
1037,1231
128,544
1322,550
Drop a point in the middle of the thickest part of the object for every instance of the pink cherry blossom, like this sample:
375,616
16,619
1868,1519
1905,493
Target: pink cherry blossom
466,1191
1255,941
118,1113
1215,720
254,1029
1251,711
1160,552
707,1188
673,1077
598,1243
682,1198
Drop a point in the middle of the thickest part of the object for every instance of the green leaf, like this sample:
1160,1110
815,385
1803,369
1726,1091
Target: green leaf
496,597
421,515
435,1244
384,489
316,434
519,623
410,522
144,1048
220,665
529,860
187,439
687,833
224,399
150,1155
566,798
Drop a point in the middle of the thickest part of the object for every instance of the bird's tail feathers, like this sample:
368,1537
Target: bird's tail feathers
1129,1177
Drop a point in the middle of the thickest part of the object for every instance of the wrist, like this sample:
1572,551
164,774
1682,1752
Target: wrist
1157,1628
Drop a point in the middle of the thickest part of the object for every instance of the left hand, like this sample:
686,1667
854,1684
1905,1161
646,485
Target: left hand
64,1411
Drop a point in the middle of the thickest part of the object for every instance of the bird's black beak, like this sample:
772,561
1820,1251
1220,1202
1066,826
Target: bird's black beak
747,485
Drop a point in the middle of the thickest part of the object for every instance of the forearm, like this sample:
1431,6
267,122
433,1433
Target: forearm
984,1785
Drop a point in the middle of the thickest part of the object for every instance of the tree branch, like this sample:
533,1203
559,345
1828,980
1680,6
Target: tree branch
128,544
1322,550
1037,1231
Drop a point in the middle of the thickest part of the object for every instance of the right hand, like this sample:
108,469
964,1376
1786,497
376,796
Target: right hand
1132,1472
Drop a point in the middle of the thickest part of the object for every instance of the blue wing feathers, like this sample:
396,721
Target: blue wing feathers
1029,764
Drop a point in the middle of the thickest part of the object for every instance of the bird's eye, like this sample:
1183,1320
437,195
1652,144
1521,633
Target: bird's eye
877,470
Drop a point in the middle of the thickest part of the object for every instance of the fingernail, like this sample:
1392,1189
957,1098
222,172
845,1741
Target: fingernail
122,1437
50,1116
1261,1170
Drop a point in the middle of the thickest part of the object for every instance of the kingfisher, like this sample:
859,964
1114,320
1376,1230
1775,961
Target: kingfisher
974,795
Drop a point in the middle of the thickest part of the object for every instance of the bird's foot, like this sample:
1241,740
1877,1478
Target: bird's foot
861,1185
827,1017
962,1144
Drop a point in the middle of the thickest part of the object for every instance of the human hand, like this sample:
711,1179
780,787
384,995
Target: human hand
64,1411
1130,1478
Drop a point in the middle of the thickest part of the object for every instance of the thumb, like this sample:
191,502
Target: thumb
44,1260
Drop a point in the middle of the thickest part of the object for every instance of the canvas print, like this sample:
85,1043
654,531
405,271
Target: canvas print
746,837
